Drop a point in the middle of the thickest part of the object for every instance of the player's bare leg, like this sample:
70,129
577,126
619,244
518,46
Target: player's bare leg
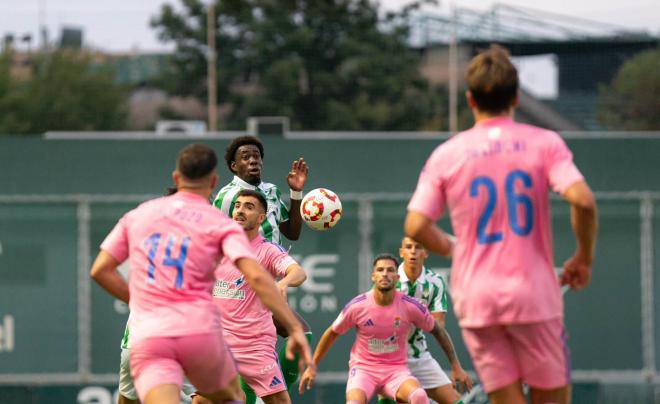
163,394
411,392
443,394
281,397
356,396
561,395
231,393
123,400
511,394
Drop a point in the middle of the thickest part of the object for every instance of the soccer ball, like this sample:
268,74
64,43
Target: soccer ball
321,209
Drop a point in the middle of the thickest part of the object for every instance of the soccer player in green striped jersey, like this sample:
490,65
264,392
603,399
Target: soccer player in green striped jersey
429,288
244,158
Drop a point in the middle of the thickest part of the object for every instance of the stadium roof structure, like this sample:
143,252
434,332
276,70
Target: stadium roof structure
506,23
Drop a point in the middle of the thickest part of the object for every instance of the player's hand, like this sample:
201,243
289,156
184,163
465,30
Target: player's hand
297,343
298,175
577,272
307,380
284,290
460,377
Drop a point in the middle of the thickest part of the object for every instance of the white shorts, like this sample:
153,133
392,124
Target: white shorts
126,386
428,371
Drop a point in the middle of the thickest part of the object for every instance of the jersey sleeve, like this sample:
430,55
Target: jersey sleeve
438,301
116,243
560,169
278,260
226,198
429,196
345,320
283,210
419,314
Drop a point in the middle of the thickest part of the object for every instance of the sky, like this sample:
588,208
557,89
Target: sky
123,25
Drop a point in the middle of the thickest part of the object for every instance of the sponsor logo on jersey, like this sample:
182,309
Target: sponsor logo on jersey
222,290
383,346
368,323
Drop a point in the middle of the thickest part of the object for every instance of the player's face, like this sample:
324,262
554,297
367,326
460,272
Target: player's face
247,164
412,253
248,212
385,275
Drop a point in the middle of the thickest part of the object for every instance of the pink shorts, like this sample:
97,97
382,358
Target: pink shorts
535,353
204,358
260,369
385,380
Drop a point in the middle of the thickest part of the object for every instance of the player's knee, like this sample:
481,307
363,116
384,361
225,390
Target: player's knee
418,396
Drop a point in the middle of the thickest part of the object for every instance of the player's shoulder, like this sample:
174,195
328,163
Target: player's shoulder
536,132
357,301
229,186
433,278
273,245
412,302
150,204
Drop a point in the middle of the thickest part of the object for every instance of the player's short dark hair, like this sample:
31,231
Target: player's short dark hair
196,161
492,80
230,152
385,256
255,194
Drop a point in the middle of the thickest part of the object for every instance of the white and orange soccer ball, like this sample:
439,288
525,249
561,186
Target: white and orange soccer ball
321,209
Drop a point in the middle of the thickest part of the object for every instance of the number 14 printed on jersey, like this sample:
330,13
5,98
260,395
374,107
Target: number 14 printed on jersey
168,261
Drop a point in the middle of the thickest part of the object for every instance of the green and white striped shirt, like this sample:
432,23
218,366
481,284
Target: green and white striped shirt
277,209
430,290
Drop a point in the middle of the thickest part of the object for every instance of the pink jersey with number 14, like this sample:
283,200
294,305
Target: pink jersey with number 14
174,244
494,179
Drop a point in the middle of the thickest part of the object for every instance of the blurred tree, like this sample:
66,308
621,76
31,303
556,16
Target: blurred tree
328,65
64,90
631,101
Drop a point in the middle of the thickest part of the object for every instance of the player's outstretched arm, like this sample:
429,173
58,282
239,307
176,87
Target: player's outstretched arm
325,343
104,272
420,228
458,375
584,220
264,286
296,180
295,276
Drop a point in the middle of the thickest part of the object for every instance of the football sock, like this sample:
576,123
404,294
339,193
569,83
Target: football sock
418,396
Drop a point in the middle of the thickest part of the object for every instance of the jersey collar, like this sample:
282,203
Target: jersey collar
246,185
404,278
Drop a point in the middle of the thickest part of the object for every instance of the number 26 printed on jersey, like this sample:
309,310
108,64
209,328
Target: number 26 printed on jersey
168,261
513,201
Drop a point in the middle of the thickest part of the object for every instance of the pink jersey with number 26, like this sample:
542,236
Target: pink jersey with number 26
494,179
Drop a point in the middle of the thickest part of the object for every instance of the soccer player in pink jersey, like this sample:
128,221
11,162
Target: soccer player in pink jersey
248,325
384,318
174,244
494,180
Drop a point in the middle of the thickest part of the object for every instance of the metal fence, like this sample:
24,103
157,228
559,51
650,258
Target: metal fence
85,327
